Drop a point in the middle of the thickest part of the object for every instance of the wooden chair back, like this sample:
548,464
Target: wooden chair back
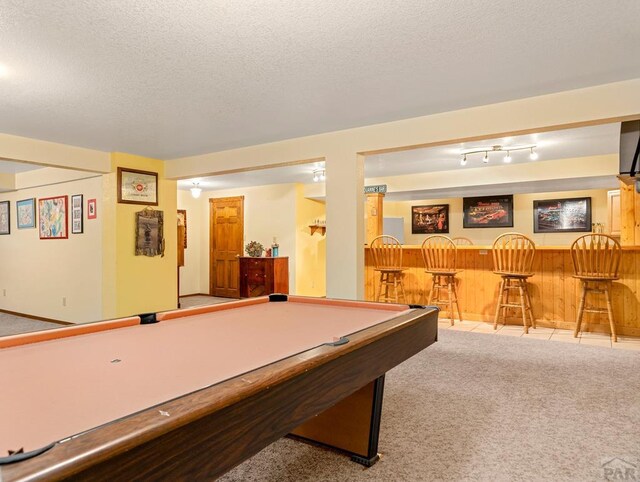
439,253
513,253
596,256
460,241
387,252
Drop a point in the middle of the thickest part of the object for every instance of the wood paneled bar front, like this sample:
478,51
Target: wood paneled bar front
554,291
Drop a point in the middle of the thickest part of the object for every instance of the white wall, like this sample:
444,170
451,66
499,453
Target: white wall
268,211
37,274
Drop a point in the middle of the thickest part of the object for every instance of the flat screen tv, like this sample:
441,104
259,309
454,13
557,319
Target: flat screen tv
629,148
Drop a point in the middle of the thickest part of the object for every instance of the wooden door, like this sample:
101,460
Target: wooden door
226,236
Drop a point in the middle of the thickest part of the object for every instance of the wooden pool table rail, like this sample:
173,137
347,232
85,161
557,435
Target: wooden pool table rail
208,432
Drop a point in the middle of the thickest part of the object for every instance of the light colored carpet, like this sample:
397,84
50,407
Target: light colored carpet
12,325
200,300
489,408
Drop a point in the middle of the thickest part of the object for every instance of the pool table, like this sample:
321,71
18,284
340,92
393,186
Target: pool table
189,394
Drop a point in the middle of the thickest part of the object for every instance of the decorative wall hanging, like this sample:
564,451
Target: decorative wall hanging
5,218
77,226
149,233
52,217
430,219
488,212
137,187
26,211
92,212
562,215
182,221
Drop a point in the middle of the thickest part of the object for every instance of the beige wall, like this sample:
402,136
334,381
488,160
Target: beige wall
311,278
192,271
37,274
523,217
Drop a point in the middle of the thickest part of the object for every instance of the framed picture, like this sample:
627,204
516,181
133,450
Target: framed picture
182,221
26,211
562,215
52,217
77,226
488,212
5,217
91,209
431,219
149,233
137,187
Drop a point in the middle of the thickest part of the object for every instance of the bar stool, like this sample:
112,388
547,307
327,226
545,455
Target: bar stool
461,241
439,255
596,261
513,255
387,260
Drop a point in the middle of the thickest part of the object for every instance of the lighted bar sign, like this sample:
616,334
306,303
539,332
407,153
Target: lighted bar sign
380,188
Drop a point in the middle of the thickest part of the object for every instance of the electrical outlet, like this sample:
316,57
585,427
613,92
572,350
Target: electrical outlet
64,301
4,292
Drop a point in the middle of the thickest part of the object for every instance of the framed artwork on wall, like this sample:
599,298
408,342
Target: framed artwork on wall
182,221
488,212
77,226
5,217
26,212
53,217
137,187
562,215
149,233
92,212
432,219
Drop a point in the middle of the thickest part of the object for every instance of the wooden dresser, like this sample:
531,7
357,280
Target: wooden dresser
263,276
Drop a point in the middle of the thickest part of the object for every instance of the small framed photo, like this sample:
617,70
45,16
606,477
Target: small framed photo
92,212
77,226
149,233
137,187
182,221
5,217
488,212
431,219
26,211
53,218
572,215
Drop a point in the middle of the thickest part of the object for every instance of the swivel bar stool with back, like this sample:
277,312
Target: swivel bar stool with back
439,255
513,255
596,262
387,260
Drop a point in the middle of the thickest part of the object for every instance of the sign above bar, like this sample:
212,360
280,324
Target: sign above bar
380,188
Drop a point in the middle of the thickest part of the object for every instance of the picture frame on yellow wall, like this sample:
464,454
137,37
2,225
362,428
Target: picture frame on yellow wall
26,213
137,187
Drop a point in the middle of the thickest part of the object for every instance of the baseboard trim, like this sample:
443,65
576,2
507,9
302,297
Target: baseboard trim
37,318
194,294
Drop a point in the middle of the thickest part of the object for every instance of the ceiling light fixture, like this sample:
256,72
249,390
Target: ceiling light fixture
196,190
498,148
319,175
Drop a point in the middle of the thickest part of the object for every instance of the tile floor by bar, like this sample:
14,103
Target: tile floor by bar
543,333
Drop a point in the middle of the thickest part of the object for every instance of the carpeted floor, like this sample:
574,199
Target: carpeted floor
13,324
482,407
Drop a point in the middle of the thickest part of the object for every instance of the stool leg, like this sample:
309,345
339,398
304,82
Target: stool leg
395,287
449,292
404,295
455,294
583,295
377,296
523,307
610,312
433,288
499,307
527,299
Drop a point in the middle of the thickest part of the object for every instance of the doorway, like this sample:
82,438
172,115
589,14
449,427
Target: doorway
226,236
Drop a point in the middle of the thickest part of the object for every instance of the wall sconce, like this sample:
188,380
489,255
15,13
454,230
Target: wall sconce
196,190
319,175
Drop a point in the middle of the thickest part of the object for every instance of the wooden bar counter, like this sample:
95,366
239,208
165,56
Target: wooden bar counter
554,291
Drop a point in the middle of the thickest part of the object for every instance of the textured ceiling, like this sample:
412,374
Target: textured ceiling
174,78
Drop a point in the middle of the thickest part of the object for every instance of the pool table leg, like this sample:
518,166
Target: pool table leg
352,425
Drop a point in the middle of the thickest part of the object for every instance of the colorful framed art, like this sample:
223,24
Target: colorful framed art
488,212
26,213
571,215
92,212
432,219
53,217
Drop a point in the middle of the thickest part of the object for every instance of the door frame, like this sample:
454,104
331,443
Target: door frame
210,252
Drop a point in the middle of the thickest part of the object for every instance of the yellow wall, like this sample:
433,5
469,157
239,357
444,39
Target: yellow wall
311,261
522,211
137,284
